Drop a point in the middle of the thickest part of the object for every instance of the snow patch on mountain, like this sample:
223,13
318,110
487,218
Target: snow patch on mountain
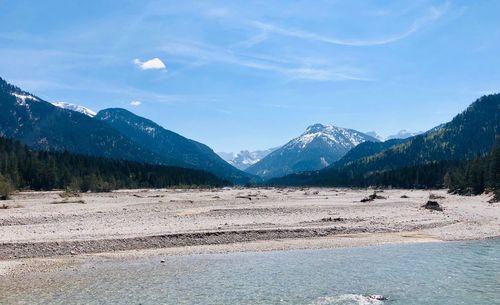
150,130
21,98
84,110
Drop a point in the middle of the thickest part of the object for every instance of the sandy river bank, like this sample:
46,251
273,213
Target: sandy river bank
43,228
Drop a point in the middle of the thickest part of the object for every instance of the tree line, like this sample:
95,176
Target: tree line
470,177
467,177
22,168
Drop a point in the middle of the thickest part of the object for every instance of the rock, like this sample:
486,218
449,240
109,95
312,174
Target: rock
404,196
372,197
434,196
244,197
162,261
432,205
72,252
377,297
327,219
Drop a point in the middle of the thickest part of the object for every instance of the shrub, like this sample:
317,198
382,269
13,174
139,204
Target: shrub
6,188
69,192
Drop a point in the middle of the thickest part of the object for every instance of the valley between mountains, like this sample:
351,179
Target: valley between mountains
74,181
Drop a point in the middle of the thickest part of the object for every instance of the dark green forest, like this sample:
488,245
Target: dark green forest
23,168
469,177
472,177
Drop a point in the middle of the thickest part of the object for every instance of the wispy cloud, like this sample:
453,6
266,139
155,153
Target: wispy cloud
135,103
217,12
432,15
152,64
252,41
201,54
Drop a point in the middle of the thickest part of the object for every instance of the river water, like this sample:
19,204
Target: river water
430,273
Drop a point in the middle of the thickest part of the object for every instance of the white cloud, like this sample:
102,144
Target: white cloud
152,64
135,103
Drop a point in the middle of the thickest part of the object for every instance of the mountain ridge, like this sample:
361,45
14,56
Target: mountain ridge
174,148
44,126
470,133
318,147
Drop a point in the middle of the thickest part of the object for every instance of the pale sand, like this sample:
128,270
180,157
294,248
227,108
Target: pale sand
37,234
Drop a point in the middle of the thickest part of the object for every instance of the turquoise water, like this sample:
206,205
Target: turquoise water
432,273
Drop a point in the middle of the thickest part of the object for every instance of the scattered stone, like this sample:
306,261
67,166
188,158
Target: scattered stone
404,196
434,196
377,297
432,205
72,252
68,201
244,197
328,219
494,199
372,197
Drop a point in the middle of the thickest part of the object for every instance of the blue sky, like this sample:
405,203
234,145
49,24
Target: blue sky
254,74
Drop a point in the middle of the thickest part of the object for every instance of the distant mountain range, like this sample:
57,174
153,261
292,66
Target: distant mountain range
375,135
112,133
322,155
402,134
244,159
471,133
318,147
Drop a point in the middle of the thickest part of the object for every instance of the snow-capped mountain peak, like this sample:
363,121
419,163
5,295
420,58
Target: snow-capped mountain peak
76,108
318,147
329,134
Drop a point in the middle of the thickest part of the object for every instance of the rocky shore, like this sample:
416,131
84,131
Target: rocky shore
36,224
